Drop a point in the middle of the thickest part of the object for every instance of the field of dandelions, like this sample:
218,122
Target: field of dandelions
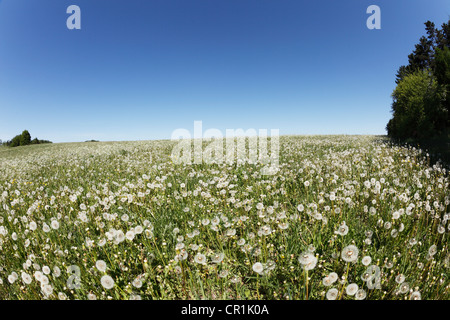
344,217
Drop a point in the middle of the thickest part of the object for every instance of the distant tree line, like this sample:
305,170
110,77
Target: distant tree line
23,139
421,99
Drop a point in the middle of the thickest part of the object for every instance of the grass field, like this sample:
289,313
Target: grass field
344,217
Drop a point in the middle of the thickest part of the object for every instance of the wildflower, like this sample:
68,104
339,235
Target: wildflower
266,230
327,281
45,227
416,296
351,289
130,235
101,265
54,224
333,277
200,258
308,260
404,287
360,294
32,226
91,296
120,236
56,271
183,255
258,267
400,278
432,250
107,282
62,296
138,229
137,283
47,289
349,253
230,232
223,273
342,230
12,277
283,225
26,278
217,257
46,270
332,294
148,233
366,260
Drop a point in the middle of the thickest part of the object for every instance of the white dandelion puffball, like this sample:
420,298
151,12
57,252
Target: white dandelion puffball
200,258
332,294
56,271
107,282
327,281
46,270
404,287
350,253
416,296
366,260
101,265
12,277
130,235
360,294
137,283
47,289
218,257
258,267
26,278
32,226
54,224
308,260
333,277
91,296
138,230
351,289
400,279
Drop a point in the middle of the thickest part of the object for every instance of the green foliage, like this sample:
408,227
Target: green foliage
24,139
442,73
421,99
416,106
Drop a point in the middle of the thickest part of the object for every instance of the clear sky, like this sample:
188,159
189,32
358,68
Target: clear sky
139,69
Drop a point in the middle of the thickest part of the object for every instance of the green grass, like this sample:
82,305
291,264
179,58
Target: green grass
150,220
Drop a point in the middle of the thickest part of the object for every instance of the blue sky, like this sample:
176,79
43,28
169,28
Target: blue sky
139,69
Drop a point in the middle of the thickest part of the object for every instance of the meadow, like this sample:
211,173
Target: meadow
344,217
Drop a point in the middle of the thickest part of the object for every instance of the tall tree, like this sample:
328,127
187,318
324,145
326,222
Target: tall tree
25,138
